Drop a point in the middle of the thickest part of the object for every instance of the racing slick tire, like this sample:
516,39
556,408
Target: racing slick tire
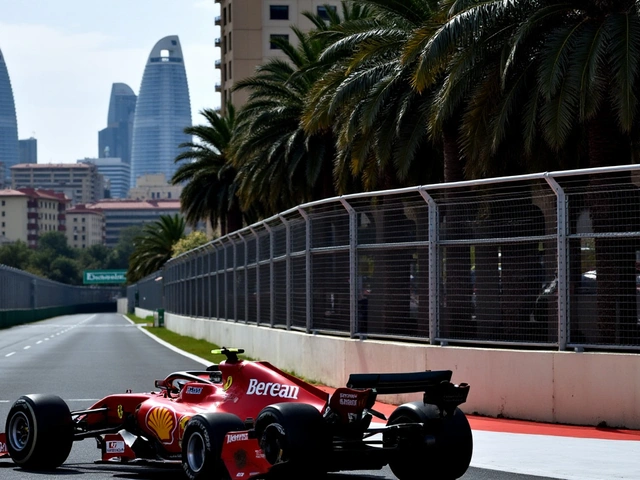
39,432
293,436
202,445
450,455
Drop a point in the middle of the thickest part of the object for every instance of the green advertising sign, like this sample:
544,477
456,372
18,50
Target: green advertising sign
93,277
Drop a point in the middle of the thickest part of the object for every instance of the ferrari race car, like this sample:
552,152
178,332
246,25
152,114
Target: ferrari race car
248,419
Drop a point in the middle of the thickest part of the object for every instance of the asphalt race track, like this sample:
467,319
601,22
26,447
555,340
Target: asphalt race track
83,358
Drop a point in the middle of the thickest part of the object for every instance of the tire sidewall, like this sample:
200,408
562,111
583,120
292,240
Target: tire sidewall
197,426
22,407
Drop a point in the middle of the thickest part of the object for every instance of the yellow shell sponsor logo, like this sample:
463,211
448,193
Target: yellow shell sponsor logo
162,422
182,426
228,383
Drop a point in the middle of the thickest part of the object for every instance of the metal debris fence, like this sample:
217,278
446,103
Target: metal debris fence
547,260
20,290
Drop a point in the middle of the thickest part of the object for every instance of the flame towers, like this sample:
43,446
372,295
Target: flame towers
163,111
9,151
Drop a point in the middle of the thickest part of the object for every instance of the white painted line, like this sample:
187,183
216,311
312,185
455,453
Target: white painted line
5,401
9,354
27,347
46,339
38,342
93,400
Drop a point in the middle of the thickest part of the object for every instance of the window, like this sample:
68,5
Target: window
230,70
322,11
224,16
3,224
75,237
83,220
168,194
224,72
274,36
229,41
229,12
3,203
279,12
3,213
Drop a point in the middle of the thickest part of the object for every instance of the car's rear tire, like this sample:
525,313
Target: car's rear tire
293,437
448,458
39,432
202,445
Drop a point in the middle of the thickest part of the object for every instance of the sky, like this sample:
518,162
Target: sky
64,55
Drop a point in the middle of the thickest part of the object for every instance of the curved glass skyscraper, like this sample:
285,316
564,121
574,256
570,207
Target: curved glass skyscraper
115,140
9,151
163,111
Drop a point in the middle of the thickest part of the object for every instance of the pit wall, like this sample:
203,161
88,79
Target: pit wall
547,386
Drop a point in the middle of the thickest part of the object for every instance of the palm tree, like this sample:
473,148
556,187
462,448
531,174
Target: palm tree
210,186
555,68
153,247
279,163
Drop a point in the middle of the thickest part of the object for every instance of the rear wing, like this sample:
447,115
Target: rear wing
436,385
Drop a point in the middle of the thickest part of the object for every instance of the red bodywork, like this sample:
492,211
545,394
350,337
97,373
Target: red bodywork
244,389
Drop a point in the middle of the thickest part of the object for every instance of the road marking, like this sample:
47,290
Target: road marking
46,339
5,401
9,354
27,347
38,342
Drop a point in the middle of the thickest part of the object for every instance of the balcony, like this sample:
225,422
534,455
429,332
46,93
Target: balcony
218,20
218,87
217,42
218,64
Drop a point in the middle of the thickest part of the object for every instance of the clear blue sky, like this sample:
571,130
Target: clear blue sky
63,56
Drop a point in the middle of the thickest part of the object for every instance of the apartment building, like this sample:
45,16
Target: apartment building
154,186
27,213
123,213
85,226
82,183
247,30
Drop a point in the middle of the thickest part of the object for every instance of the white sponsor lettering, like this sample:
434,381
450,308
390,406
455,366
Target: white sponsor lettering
115,446
237,437
194,390
349,399
272,389
240,474
3,447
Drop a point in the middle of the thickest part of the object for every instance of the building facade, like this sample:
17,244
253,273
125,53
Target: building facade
28,150
82,183
247,30
115,140
27,213
9,151
115,172
163,111
85,227
120,214
154,187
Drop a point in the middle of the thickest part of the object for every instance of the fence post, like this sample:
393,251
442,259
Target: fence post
563,261
256,236
287,256
272,295
434,263
246,277
353,268
308,277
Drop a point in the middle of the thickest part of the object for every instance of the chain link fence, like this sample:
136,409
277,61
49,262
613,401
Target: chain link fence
545,260
25,297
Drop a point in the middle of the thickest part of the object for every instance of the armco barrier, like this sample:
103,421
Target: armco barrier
548,386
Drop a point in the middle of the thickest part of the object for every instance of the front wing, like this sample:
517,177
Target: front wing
243,456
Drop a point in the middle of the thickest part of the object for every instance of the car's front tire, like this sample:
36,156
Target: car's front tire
39,432
202,445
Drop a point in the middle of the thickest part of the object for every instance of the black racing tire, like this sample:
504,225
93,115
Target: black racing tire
202,445
39,431
293,436
448,458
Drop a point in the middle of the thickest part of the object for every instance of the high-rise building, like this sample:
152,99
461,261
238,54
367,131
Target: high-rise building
82,183
9,153
163,111
28,150
247,30
115,140
115,171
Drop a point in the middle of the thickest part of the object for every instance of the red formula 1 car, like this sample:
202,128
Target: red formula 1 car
245,419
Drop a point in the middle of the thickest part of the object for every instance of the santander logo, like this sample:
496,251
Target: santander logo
270,389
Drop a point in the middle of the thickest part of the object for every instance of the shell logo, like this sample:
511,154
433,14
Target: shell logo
162,422
182,425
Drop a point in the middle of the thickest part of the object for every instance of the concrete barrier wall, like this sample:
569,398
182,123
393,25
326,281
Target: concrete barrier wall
559,387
